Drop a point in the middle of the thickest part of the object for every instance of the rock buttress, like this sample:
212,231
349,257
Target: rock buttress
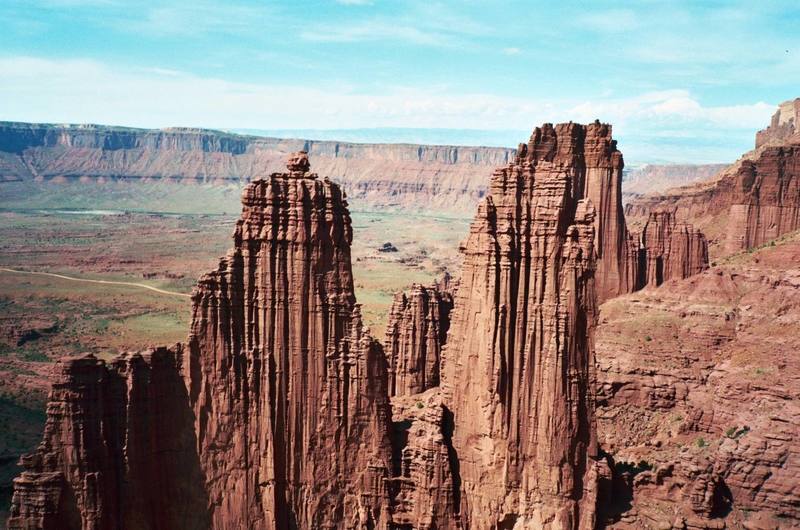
518,368
415,334
118,450
290,394
670,250
765,197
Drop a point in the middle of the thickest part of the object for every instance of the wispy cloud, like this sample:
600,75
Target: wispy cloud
512,51
354,2
90,91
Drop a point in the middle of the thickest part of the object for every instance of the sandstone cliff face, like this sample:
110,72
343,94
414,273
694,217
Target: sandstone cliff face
519,364
670,250
426,478
785,123
752,201
416,332
698,398
118,450
289,393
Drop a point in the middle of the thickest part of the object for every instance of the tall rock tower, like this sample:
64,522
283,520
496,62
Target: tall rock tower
518,368
290,396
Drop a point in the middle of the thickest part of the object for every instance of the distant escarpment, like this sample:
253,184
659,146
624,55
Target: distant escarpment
749,203
412,177
654,178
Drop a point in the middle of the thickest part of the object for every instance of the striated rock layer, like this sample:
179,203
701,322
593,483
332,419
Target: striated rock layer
749,203
402,176
416,332
519,363
289,393
699,400
669,250
118,450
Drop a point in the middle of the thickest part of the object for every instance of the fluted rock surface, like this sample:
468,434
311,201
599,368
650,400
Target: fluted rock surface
118,450
416,332
519,363
289,393
751,202
425,481
670,250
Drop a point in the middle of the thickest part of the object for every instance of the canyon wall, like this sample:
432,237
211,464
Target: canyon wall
750,202
698,398
669,250
410,177
118,450
289,393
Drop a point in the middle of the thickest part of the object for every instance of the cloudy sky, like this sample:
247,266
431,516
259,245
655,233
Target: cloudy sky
680,81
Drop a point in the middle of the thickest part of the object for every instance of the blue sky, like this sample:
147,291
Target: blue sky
680,81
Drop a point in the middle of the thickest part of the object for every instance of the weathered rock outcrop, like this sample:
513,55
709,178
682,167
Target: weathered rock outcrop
426,481
698,398
118,450
669,250
749,203
785,123
518,366
289,393
416,332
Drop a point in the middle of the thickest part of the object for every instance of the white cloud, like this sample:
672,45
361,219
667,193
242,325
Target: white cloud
512,51
80,91
354,2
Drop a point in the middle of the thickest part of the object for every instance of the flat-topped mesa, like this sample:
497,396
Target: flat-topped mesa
118,450
415,334
289,393
518,368
670,250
